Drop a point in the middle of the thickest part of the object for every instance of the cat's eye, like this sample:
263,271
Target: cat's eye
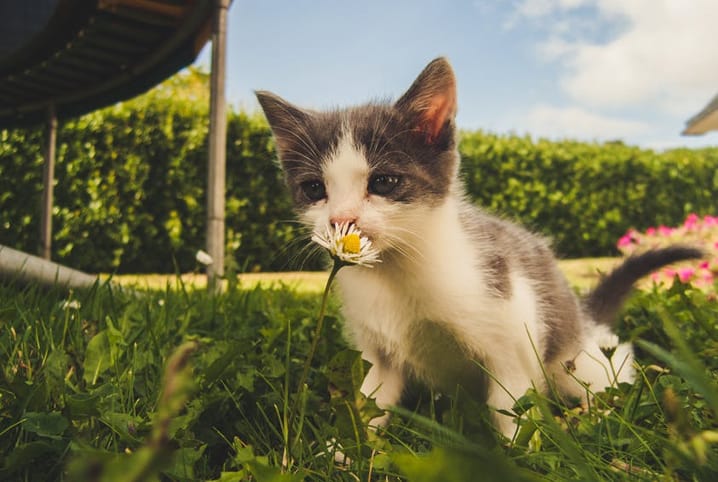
314,190
383,184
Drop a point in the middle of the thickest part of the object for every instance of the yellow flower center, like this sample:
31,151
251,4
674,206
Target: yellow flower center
351,243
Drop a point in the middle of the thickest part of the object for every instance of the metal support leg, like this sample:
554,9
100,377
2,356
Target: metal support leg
48,179
217,147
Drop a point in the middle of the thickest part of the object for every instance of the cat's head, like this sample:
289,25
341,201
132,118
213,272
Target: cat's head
380,166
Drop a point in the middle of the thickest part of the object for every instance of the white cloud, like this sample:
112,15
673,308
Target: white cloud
538,8
665,55
574,122
555,47
535,8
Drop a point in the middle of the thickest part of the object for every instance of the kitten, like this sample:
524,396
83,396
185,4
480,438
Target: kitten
459,292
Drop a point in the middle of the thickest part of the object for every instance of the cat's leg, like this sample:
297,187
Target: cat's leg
506,385
385,383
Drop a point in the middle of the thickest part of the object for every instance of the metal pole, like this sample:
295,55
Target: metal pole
16,265
48,179
217,146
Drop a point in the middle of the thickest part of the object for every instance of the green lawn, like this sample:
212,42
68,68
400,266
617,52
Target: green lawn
582,273
174,383
301,281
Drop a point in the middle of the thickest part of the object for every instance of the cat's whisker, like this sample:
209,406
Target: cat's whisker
407,250
296,128
308,253
407,238
392,249
308,250
303,138
390,139
389,158
302,165
377,134
296,157
297,245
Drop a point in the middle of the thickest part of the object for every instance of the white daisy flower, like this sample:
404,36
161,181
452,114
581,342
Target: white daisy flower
70,305
608,343
346,244
204,257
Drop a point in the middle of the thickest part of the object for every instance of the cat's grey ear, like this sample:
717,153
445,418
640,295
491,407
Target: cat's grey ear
431,100
284,118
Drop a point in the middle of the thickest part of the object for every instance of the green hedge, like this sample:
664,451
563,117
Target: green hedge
130,191
586,195
131,182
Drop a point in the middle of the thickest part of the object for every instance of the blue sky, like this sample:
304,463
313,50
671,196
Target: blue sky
633,70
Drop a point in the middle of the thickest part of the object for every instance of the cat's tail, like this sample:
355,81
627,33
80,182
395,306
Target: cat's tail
606,299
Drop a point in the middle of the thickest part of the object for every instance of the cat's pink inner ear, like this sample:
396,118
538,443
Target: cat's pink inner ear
431,99
441,109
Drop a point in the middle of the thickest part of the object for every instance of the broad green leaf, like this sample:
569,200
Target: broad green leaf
347,370
49,424
24,455
455,466
124,424
97,358
183,461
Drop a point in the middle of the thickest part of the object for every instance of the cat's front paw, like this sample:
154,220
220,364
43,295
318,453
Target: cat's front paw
380,422
335,448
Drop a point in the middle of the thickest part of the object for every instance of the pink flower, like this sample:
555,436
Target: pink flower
664,230
685,274
626,240
691,221
695,230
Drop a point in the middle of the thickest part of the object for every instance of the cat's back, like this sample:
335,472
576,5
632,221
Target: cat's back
506,244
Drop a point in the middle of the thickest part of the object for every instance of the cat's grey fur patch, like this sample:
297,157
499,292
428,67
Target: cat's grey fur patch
533,257
498,276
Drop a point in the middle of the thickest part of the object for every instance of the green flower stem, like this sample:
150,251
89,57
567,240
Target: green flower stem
338,264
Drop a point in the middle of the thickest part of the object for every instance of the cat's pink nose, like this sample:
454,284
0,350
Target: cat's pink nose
343,220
